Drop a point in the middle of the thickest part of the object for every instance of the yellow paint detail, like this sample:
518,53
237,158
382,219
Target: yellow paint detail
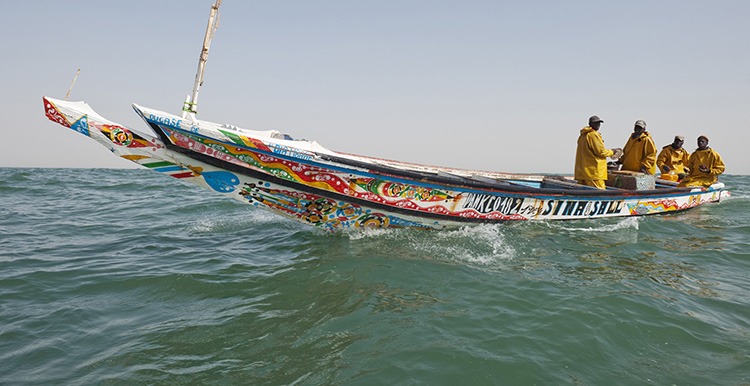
133,157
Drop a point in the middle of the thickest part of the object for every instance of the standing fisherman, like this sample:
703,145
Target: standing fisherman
591,156
639,153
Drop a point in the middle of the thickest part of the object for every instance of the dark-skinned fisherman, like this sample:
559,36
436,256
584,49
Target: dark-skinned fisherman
591,155
673,159
639,153
705,165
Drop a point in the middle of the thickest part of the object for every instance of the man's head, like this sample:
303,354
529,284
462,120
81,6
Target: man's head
678,142
702,142
640,127
595,122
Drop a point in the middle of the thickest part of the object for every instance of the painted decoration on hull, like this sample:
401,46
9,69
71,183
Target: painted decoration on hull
390,190
660,206
54,115
117,134
655,207
320,211
82,125
372,189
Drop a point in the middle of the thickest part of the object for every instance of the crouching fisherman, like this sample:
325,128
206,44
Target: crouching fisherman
673,159
705,165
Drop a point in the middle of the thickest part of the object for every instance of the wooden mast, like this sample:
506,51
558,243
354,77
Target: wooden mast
71,85
190,107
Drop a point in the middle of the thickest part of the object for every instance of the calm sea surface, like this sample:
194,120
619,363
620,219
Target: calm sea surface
130,277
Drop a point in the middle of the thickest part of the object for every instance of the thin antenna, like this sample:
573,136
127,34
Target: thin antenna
71,85
190,107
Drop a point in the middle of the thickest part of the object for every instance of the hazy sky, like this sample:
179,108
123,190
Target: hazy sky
479,84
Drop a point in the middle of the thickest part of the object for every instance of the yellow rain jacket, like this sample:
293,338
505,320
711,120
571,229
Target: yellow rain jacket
639,151
696,177
676,160
591,156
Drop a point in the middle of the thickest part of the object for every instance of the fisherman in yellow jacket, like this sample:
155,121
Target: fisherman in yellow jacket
705,165
673,158
639,153
591,156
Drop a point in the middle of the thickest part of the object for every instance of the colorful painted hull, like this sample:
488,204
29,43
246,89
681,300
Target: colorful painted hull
309,183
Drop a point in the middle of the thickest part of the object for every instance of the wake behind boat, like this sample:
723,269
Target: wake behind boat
307,182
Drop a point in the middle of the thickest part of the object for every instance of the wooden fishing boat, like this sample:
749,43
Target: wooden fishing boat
307,182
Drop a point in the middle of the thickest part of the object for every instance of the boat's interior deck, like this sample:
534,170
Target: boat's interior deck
620,182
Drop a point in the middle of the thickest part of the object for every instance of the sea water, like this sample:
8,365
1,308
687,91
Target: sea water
131,277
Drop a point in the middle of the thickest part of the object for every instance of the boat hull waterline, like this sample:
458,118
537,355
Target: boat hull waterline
311,184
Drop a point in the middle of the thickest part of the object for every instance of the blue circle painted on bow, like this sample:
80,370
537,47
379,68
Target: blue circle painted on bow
222,182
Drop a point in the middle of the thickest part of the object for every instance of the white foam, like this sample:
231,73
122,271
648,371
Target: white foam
214,224
632,222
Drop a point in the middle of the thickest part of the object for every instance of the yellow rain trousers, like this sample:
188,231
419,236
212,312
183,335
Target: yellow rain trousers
640,151
591,159
675,159
707,157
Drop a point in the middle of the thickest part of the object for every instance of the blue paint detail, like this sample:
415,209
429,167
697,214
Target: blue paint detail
397,221
82,125
222,182
169,169
166,121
